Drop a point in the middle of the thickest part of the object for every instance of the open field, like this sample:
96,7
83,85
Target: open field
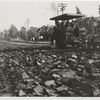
4,45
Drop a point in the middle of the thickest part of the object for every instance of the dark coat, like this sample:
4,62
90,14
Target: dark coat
76,32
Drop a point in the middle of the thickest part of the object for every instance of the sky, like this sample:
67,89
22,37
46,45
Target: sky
38,13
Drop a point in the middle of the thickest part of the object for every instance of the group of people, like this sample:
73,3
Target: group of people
64,31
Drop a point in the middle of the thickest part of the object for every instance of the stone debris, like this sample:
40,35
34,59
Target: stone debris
50,83
62,88
22,93
49,73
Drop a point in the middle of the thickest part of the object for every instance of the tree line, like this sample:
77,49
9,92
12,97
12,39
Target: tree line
27,35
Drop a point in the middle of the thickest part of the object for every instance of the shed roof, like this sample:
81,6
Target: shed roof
67,16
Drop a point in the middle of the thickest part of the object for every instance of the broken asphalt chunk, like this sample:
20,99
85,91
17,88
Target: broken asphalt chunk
38,90
63,87
50,83
22,93
55,76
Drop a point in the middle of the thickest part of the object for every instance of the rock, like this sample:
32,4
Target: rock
98,47
43,61
79,69
28,58
22,93
74,56
1,60
96,91
70,93
3,88
30,80
50,92
85,74
29,85
40,54
64,65
69,46
69,74
56,76
21,86
57,63
59,66
38,63
54,56
25,76
38,89
59,57
82,58
50,83
72,60
63,87
81,66
55,70
90,61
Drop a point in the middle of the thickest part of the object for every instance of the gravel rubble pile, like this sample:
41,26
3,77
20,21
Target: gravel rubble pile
49,73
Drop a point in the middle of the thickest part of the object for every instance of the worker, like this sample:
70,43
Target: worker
76,31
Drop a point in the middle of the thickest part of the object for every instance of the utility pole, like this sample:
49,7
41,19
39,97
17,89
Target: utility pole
62,7
27,23
99,10
27,27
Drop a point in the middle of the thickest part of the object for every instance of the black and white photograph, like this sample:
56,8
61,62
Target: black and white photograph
49,48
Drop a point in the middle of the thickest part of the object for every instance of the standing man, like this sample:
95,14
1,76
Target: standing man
55,35
59,35
76,31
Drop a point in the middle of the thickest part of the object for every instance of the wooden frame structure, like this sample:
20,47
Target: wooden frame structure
61,34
